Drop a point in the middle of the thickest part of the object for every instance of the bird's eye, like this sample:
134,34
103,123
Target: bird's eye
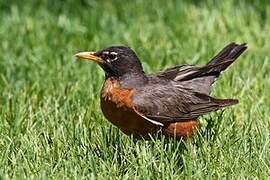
112,56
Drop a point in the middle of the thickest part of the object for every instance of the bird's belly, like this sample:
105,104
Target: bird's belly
126,119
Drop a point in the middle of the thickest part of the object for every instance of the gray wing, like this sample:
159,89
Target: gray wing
172,103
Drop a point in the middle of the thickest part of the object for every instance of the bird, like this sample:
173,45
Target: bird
167,102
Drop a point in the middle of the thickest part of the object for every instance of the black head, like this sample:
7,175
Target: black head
115,60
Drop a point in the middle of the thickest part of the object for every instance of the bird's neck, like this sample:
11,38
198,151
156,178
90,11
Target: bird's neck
131,80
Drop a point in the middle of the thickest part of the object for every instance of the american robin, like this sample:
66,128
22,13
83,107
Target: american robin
169,101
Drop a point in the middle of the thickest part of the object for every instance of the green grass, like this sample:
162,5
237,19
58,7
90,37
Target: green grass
51,125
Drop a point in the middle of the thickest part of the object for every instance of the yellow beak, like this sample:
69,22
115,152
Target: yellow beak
89,56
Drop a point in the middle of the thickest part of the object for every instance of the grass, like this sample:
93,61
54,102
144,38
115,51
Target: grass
51,125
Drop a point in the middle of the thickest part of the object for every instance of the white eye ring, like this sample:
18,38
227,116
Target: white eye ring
113,53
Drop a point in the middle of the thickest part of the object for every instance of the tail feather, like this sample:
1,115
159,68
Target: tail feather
229,54
226,102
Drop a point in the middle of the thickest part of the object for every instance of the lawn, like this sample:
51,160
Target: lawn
51,125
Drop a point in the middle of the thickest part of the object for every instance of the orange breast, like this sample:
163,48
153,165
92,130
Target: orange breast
117,107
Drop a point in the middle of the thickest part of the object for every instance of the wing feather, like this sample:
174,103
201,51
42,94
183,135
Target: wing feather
172,103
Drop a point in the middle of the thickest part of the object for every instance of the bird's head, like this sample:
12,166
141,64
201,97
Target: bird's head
116,61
